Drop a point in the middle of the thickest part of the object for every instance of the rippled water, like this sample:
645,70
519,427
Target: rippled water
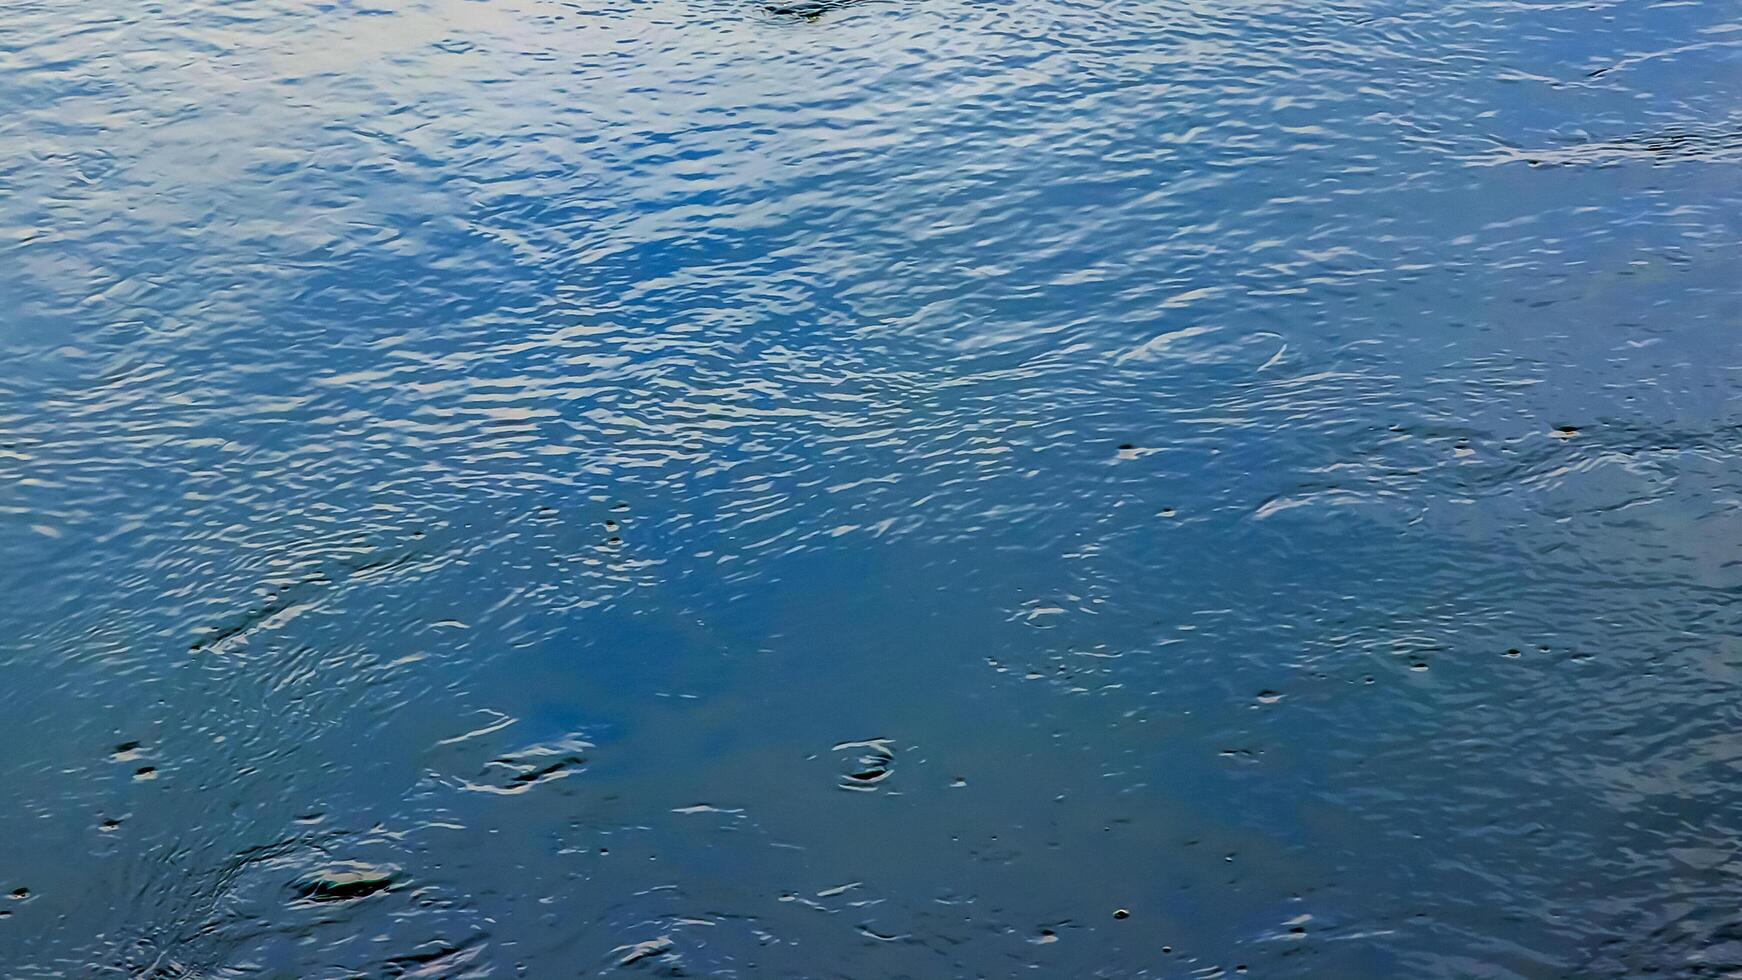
520,488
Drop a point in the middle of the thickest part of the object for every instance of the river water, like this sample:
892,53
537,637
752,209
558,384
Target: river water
544,488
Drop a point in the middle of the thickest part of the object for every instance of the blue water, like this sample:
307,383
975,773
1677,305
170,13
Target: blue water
520,488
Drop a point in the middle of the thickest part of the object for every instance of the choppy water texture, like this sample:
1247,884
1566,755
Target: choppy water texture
517,488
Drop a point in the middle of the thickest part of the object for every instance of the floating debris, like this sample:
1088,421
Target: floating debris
286,601
709,808
518,772
344,882
1676,144
806,9
867,764
443,960
633,954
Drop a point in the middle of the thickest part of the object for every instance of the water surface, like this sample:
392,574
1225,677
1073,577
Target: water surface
520,488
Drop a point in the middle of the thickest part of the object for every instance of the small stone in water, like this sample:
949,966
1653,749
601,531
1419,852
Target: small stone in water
1121,914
